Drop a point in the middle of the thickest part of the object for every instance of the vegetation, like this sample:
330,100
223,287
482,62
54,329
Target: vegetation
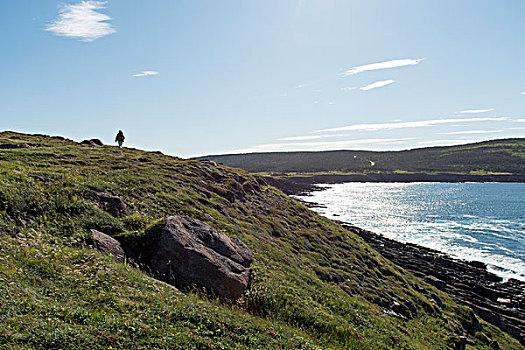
315,285
506,156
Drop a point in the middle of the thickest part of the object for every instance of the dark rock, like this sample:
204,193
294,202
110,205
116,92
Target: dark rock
463,342
478,264
189,253
15,146
494,345
112,204
436,282
92,142
290,187
437,300
108,244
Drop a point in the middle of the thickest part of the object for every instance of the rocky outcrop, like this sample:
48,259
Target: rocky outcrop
497,302
189,253
15,146
93,142
291,187
112,204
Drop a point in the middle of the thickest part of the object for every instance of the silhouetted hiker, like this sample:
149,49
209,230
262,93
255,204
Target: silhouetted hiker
120,138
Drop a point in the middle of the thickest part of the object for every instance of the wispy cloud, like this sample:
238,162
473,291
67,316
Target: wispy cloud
519,120
440,142
310,137
402,125
522,93
382,65
319,145
475,111
82,21
146,73
300,86
377,84
349,88
470,132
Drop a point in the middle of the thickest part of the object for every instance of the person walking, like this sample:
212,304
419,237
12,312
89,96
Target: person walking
120,138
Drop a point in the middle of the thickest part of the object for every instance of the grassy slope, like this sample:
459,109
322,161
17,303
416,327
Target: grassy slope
505,156
315,284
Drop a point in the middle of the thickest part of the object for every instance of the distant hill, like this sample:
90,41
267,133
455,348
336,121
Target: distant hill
505,156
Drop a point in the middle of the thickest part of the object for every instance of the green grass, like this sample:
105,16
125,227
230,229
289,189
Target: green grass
315,285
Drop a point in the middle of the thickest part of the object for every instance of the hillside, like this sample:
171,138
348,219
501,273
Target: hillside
315,285
506,156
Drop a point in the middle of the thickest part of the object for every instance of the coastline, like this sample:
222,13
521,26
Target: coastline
309,180
469,282
499,303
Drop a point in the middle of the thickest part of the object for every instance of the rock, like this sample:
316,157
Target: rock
112,204
15,146
437,300
92,142
494,345
190,253
463,342
107,244
436,282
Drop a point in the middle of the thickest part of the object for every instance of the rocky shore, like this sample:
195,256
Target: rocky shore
499,303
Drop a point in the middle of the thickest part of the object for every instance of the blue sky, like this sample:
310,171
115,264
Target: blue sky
207,77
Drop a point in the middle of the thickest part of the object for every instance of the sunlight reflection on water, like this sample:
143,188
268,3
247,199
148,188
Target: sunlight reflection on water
472,221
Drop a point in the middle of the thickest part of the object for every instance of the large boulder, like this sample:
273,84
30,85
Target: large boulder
189,253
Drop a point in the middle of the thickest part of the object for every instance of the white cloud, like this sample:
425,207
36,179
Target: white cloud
146,73
470,132
446,142
475,111
402,125
377,84
519,120
82,21
319,145
300,86
382,65
310,137
523,93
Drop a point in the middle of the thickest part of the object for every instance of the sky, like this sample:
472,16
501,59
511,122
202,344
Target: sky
199,77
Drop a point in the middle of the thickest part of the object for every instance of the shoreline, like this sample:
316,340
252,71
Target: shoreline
469,282
291,182
501,303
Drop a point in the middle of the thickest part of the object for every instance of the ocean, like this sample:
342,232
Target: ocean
470,221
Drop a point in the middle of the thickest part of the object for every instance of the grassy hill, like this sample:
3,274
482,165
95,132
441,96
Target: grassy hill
315,285
506,156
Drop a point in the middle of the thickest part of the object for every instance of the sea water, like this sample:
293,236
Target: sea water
471,221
